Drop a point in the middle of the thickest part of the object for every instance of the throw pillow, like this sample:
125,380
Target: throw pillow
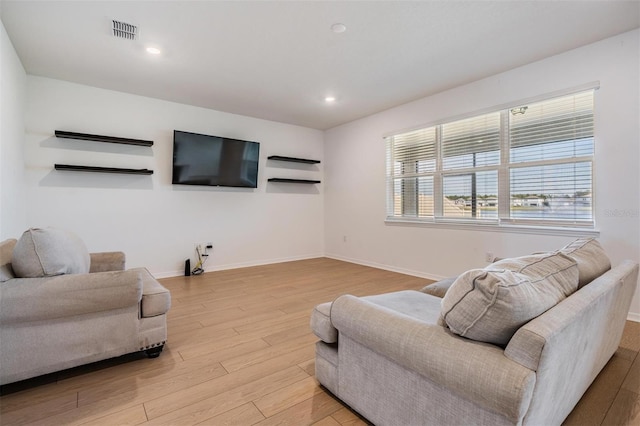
490,304
6,272
48,252
591,259
6,250
438,288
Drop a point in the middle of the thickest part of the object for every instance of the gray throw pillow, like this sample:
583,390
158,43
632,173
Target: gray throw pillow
48,252
489,305
591,259
6,251
439,288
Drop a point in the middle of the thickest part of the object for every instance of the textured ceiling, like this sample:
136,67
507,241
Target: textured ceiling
277,60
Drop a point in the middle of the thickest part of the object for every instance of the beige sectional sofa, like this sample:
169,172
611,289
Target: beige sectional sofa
61,307
412,358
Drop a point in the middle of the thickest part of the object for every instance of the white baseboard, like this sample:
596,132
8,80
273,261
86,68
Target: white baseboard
214,268
386,267
633,317
169,274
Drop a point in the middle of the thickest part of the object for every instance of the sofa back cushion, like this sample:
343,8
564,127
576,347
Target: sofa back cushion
490,304
48,252
591,259
6,251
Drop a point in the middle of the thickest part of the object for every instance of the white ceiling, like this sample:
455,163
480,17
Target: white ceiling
277,60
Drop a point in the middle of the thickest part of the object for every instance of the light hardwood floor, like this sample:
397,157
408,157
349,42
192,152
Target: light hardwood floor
240,352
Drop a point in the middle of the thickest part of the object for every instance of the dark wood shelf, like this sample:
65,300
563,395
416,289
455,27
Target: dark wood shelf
68,167
293,159
100,138
282,180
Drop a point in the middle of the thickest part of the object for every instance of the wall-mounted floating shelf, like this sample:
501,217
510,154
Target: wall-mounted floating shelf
283,180
68,167
293,159
101,138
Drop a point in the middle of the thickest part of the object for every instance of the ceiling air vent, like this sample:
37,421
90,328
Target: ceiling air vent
124,30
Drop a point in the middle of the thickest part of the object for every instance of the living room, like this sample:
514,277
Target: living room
344,217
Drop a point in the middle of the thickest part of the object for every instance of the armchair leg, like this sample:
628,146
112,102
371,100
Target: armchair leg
154,352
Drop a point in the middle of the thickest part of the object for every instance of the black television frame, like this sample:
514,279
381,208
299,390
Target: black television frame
229,151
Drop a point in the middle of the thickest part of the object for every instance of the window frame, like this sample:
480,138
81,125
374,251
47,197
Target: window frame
504,221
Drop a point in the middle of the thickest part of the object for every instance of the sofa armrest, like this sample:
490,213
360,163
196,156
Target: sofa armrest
107,261
476,371
572,342
41,299
156,300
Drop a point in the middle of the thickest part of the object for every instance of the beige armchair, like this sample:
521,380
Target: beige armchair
67,317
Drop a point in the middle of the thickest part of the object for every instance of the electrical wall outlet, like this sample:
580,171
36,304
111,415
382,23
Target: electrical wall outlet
203,248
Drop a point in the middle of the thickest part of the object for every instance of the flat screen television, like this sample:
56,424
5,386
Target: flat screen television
214,161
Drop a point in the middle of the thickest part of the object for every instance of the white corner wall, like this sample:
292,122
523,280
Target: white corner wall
13,85
355,167
154,222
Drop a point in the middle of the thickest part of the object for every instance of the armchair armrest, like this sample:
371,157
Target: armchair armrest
107,261
41,299
476,371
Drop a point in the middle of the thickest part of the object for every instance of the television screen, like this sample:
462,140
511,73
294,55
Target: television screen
214,161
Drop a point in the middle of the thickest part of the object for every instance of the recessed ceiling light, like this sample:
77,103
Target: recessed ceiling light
153,50
329,99
338,28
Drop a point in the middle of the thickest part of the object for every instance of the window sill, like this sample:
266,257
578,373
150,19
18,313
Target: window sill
494,227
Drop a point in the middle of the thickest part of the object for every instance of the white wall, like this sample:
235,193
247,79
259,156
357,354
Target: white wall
355,167
13,84
154,222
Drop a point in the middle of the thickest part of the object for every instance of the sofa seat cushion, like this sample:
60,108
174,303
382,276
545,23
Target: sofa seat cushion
489,305
415,304
156,300
49,252
591,259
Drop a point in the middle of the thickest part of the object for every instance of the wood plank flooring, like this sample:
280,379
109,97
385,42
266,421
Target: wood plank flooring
240,352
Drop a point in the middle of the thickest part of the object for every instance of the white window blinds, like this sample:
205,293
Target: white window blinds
551,155
532,164
473,142
547,124
411,161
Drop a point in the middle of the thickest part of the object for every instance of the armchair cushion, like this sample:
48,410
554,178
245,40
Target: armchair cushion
490,304
49,252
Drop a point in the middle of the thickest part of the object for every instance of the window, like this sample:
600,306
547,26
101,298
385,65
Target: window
531,164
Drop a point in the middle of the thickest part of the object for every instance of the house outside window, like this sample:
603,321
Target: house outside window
527,165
